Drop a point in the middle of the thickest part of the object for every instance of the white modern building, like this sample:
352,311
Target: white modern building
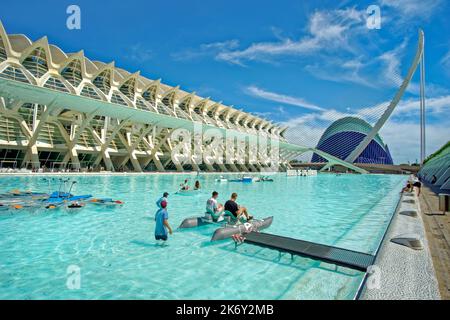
63,111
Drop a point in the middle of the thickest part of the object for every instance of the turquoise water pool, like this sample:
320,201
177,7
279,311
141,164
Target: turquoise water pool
118,257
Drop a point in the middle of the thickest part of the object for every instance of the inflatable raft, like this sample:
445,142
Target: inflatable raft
227,230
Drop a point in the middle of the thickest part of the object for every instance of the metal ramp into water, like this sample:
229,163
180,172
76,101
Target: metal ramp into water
338,256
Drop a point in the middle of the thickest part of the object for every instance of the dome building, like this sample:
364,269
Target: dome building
344,135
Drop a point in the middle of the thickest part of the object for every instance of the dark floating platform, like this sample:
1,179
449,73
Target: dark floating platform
338,256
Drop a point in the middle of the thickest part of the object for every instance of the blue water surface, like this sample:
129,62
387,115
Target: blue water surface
118,258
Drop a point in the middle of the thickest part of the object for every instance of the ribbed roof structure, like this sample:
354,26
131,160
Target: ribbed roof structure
345,134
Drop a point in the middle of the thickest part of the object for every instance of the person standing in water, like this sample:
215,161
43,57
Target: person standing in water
163,198
162,225
197,185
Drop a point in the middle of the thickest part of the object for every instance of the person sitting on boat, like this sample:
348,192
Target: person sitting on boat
163,198
197,185
235,209
184,186
213,208
162,223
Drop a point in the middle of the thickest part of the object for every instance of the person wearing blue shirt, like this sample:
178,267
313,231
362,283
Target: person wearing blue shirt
162,223
163,198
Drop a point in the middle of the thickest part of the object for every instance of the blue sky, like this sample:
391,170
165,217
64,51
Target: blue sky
300,63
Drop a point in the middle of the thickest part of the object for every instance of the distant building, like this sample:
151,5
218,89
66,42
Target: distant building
64,111
343,136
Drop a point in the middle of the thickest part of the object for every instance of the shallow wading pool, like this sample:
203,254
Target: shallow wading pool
118,257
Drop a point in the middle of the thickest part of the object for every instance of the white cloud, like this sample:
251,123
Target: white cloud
403,139
338,70
304,135
267,50
327,30
225,45
377,72
372,114
206,49
391,61
445,62
272,96
139,53
263,115
402,136
336,46
332,49
446,59
413,9
434,106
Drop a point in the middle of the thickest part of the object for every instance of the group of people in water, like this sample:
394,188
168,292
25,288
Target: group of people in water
185,185
215,210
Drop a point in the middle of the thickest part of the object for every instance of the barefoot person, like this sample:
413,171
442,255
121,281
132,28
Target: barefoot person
235,209
162,224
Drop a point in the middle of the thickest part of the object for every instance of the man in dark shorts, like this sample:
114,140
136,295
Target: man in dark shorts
162,224
235,209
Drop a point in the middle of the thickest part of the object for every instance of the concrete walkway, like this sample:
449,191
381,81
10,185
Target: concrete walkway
402,273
